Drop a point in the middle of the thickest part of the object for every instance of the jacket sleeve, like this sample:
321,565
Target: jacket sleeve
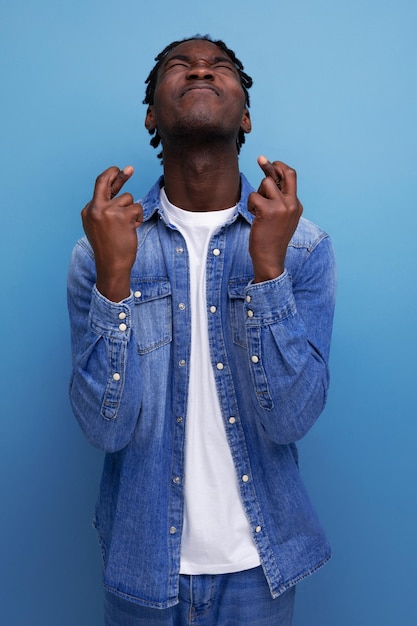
105,386
289,324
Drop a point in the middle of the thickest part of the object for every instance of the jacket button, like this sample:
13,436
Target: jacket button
254,359
245,478
137,294
172,530
216,252
122,327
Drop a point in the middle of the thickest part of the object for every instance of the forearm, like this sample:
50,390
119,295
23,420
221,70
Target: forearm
105,388
288,333
290,378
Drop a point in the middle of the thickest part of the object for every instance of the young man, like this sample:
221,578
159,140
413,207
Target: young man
201,322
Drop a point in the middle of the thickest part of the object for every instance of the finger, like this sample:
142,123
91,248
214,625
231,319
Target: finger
139,213
120,179
288,177
131,208
109,183
126,199
256,203
135,212
269,188
269,170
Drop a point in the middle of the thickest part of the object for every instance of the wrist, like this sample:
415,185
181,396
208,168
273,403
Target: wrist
264,274
115,287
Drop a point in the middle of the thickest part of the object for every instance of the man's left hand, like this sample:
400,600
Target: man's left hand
277,211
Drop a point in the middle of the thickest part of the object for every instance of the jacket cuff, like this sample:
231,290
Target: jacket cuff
109,318
270,301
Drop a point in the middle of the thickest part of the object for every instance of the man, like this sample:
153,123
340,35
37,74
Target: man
201,322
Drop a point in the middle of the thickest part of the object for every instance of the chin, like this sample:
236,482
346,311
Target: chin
201,126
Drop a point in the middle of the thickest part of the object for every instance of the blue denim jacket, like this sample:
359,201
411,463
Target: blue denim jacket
269,347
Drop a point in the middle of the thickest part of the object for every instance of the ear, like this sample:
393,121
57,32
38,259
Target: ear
150,122
246,124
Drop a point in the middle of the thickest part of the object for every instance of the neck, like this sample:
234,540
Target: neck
202,180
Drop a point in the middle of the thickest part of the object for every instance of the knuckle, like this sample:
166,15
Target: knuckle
101,177
87,210
125,199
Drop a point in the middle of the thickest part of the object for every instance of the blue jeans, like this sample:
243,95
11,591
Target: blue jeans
239,599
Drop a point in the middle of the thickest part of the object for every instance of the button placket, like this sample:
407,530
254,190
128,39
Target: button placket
222,373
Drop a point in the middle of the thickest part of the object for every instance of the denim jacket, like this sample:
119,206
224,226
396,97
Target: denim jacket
269,346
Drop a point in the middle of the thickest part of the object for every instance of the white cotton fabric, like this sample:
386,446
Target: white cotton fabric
216,535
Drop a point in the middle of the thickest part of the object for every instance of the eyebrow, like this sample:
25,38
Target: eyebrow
187,59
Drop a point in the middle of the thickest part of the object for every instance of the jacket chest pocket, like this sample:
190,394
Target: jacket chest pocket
152,313
237,295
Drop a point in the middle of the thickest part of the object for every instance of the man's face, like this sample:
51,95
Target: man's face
198,93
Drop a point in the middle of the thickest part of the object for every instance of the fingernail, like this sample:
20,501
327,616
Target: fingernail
128,170
262,160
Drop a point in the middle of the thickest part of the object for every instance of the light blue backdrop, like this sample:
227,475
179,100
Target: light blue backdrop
335,96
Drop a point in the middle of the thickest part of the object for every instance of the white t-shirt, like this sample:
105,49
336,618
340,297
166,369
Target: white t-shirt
216,536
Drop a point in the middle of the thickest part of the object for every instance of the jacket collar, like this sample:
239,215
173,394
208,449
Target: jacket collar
151,202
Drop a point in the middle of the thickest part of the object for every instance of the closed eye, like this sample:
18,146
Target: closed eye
176,64
228,68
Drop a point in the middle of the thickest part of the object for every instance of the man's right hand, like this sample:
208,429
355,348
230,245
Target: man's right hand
110,224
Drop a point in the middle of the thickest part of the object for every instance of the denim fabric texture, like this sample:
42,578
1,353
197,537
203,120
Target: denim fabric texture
269,346
240,599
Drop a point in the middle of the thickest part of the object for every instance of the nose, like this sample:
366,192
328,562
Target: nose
200,71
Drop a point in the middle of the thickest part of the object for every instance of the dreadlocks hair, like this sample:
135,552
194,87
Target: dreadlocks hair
245,80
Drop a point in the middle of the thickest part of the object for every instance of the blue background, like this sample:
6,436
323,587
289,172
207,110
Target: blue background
335,96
